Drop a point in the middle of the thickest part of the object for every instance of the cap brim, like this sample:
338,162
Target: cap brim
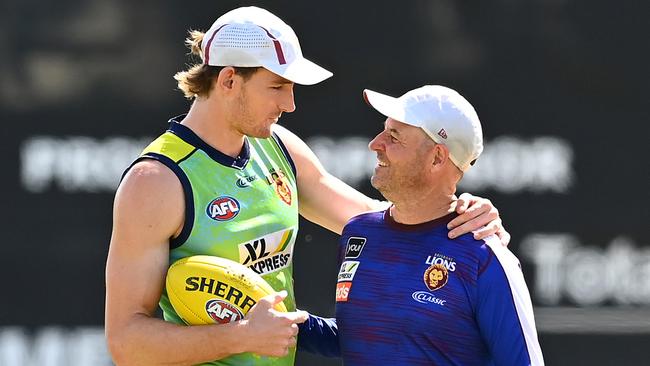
388,106
394,108
301,71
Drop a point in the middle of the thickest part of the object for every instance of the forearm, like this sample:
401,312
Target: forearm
330,203
151,341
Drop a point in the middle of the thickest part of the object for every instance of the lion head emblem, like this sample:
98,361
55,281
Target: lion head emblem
435,277
281,186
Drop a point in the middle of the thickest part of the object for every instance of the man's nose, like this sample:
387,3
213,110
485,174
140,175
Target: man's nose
287,104
377,143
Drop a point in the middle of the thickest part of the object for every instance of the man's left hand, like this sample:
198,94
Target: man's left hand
479,216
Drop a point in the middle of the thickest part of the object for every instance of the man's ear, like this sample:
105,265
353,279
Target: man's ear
440,155
225,81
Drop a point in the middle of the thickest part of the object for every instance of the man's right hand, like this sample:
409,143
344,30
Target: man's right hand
271,332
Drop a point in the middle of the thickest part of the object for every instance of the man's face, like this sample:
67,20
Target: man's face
401,159
261,101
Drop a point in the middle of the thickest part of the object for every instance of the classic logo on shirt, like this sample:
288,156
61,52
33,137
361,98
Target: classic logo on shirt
347,271
223,208
435,276
269,253
354,247
343,291
222,312
424,297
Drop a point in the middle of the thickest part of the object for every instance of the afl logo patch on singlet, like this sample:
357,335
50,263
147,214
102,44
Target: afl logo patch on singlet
223,208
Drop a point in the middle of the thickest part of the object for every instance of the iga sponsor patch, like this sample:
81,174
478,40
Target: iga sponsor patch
223,208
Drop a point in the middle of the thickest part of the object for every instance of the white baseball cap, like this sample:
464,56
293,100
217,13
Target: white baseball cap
253,37
442,113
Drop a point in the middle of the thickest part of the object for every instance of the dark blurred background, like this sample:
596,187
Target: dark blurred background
561,88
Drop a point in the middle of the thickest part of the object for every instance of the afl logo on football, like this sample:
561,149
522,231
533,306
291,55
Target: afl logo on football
435,277
222,312
223,208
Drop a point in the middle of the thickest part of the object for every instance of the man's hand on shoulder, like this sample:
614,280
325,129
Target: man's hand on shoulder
479,216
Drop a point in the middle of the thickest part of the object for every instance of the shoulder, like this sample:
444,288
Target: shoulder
476,251
149,172
488,252
501,252
366,219
170,145
293,143
149,204
285,135
147,181
369,217
306,162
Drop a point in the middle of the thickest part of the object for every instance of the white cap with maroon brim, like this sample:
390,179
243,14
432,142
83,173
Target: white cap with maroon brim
254,37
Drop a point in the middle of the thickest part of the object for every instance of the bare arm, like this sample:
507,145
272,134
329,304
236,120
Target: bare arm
324,199
148,211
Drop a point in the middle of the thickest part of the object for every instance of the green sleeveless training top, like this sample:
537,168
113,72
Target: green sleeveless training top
244,209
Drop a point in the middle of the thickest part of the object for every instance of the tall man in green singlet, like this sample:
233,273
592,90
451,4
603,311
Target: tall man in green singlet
224,181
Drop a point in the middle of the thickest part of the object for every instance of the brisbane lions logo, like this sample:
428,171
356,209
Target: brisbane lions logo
435,276
278,179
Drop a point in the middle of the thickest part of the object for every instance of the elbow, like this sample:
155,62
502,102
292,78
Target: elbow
118,348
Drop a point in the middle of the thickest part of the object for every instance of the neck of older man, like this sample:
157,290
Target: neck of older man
427,202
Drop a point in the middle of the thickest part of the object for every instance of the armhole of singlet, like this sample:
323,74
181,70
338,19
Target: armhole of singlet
187,192
286,153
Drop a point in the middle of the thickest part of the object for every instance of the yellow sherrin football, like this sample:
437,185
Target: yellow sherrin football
208,290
